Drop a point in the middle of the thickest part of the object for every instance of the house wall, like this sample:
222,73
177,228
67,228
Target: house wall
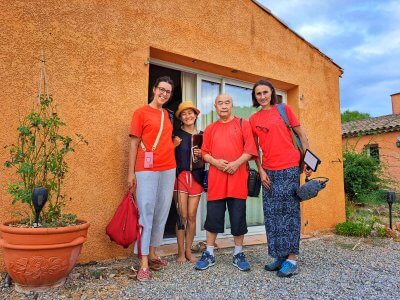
97,53
389,153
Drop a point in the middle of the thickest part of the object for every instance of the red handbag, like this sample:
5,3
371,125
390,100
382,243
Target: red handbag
124,227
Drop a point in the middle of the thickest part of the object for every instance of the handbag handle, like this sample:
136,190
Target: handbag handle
320,178
132,195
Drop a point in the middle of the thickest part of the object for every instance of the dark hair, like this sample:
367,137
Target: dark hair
253,93
166,79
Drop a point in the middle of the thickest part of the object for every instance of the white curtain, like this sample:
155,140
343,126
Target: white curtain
189,87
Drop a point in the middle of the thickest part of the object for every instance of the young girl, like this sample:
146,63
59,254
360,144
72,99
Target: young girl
190,172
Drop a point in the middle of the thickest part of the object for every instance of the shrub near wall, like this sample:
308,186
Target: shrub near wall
362,175
363,182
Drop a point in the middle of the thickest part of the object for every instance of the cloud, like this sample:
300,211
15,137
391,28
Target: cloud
379,45
320,30
369,98
362,36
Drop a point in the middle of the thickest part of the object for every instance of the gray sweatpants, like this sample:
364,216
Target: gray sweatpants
153,196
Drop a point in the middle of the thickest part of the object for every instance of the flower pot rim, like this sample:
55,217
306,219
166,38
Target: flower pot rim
49,230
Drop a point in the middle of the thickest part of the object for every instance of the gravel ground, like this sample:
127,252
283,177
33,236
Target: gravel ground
330,267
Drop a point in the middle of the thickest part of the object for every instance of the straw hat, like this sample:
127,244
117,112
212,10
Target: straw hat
186,105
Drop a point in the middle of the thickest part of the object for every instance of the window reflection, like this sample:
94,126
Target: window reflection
242,104
209,91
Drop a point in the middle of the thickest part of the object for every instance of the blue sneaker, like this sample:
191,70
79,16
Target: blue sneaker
240,262
287,269
207,260
275,265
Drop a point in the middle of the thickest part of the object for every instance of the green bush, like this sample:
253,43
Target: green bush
350,228
362,175
38,157
350,210
378,230
375,197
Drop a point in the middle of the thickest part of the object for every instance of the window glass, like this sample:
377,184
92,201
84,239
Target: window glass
209,91
372,151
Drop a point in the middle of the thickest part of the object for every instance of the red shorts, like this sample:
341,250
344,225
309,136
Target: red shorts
185,183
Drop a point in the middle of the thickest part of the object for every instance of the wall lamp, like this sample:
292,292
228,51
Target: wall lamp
39,198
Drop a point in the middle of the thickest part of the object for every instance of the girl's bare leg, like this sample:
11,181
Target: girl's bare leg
180,234
192,205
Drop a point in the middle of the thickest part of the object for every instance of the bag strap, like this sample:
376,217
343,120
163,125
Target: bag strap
282,113
158,135
241,129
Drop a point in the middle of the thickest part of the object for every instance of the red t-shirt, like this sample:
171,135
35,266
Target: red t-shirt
228,141
145,125
275,138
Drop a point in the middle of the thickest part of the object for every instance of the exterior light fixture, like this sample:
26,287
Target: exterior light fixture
398,142
390,198
39,198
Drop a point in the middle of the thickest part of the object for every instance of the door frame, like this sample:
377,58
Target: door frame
203,75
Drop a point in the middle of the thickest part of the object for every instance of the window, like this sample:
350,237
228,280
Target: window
208,88
372,151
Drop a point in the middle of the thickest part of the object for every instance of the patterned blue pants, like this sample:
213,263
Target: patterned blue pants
282,212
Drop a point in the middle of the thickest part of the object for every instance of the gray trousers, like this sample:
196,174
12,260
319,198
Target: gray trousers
153,196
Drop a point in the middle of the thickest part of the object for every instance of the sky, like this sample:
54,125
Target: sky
362,37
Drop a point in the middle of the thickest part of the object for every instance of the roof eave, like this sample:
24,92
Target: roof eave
370,132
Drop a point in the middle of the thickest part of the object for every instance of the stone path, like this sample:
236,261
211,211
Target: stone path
330,267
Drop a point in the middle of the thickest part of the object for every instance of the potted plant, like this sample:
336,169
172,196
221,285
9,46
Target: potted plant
42,247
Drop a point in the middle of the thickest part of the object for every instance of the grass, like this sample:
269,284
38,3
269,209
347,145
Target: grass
369,217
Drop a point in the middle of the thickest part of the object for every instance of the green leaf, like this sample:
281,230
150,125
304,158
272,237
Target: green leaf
25,168
23,130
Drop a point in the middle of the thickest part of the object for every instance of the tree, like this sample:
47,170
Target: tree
348,116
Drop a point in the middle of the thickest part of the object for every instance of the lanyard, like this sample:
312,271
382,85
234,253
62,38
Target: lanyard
158,135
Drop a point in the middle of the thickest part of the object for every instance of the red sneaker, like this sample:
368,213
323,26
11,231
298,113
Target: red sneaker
143,275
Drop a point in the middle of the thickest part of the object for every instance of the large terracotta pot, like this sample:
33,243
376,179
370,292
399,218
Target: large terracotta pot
39,258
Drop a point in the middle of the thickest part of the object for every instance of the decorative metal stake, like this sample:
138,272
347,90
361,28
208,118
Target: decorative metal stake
390,198
7,281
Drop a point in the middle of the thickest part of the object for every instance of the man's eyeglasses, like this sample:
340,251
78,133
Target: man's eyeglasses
263,129
164,91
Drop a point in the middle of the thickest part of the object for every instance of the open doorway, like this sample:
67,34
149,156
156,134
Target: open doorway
171,106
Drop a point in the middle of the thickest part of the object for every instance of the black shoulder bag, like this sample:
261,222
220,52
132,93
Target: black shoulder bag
254,179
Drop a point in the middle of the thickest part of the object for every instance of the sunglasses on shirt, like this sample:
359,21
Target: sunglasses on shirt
263,129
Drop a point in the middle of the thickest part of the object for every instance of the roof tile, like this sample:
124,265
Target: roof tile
371,126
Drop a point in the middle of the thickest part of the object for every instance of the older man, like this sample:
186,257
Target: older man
227,145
